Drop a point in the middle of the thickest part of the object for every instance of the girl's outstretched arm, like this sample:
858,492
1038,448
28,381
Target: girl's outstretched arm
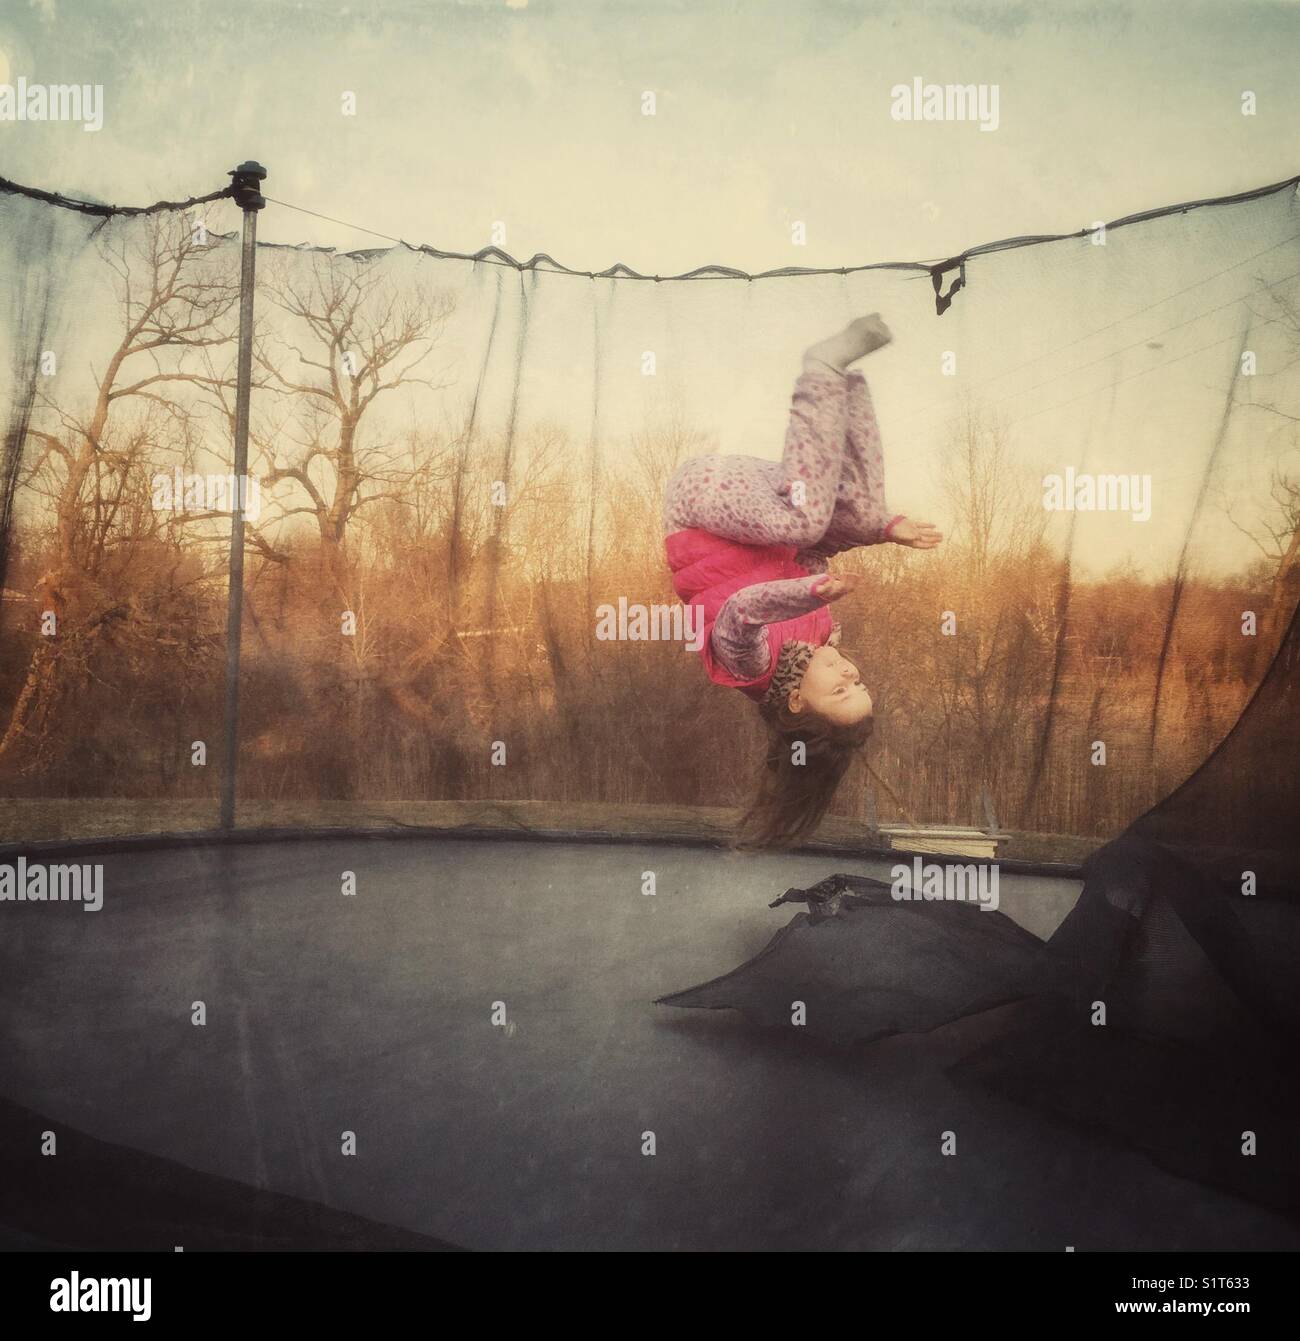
739,638
914,534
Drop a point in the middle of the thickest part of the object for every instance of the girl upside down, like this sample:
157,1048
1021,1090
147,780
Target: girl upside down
748,541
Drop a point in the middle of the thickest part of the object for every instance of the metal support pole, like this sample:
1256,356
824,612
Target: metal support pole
247,180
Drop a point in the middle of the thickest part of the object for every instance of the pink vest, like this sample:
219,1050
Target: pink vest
707,570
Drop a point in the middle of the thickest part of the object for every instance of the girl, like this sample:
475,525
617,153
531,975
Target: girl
747,540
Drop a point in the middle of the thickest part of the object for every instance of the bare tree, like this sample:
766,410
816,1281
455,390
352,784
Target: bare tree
998,583
353,338
174,301
1277,533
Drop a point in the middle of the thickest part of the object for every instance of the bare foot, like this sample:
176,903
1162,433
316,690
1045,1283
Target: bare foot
858,339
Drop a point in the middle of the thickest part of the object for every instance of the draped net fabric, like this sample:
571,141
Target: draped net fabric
458,461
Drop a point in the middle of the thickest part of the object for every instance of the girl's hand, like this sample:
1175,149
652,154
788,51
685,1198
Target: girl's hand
916,535
840,585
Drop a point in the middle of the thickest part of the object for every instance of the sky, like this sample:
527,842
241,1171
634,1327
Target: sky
774,141
530,115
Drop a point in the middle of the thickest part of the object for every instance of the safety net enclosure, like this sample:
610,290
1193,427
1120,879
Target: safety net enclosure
456,467
455,605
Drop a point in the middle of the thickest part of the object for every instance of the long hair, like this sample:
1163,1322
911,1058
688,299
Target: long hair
792,798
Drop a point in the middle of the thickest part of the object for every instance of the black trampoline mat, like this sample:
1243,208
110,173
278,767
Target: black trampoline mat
373,1014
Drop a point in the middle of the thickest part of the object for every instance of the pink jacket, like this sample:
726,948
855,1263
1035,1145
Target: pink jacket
708,571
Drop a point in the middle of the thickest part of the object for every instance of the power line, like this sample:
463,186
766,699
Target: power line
1069,344
1146,339
1142,372
284,204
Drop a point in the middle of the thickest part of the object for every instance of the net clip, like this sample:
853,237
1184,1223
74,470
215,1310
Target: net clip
943,301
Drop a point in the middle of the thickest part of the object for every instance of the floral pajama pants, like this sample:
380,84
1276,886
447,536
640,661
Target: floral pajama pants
824,496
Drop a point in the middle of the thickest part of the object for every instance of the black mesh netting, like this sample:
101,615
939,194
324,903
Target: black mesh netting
460,460
1188,930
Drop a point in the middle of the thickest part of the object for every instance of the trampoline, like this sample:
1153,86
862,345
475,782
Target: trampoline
374,1013
410,1040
